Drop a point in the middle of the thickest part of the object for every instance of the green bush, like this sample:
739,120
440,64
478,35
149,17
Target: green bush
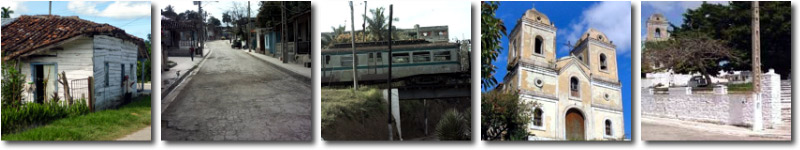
12,86
346,103
453,126
30,115
504,116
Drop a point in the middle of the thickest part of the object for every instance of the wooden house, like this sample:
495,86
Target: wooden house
46,45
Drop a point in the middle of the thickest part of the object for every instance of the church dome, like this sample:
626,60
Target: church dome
593,34
536,16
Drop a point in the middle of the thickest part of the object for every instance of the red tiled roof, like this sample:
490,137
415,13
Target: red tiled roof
29,33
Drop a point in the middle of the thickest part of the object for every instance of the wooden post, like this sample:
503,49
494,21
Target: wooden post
389,90
91,94
63,81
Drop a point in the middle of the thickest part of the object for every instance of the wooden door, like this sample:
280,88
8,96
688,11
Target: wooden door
575,126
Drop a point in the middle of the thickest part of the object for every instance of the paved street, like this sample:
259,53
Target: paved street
657,129
235,96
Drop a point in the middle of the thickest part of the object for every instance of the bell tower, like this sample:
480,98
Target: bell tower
657,26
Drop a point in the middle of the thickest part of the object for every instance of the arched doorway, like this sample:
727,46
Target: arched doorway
575,126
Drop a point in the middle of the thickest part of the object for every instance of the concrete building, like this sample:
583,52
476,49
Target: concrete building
44,46
579,95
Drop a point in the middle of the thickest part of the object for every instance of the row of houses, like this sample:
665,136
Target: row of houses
298,39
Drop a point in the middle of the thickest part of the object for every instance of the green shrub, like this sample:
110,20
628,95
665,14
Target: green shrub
30,115
12,86
504,116
346,103
453,126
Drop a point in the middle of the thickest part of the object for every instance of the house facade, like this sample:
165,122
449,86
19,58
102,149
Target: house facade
577,97
44,46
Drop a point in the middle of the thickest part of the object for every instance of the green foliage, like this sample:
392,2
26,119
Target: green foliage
731,23
352,105
214,21
492,29
454,126
741,87
7,12
35,114
13,85
103,125
504,116
143,68
378,24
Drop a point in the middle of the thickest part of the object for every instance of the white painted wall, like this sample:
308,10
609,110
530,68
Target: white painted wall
75,60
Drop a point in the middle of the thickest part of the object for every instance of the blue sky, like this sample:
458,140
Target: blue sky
573,19
672,10
133,17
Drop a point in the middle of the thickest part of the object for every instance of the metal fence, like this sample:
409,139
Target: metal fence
79,89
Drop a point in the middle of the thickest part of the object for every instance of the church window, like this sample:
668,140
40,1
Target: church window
539,42
608,127
603,62
658,33
537,117
573,87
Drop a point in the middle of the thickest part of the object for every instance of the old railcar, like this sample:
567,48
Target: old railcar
414,62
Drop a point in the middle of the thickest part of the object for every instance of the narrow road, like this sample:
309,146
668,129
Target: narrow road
235,96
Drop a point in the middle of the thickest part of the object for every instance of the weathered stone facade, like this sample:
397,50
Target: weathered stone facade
584,84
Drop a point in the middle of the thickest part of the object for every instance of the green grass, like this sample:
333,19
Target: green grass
344,103
98,126
740,87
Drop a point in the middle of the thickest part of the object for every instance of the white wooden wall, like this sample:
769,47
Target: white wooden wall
75,60
113,51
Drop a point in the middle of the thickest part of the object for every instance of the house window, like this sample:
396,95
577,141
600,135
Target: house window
106,76
573,87
441,33
538,46
603,62
122,73
537,117
425,34
608,127
658,33
513,49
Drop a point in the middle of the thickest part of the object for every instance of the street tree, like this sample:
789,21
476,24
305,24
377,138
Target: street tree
169,12
691,52
214,21
492,29
377,24
226,18
730,24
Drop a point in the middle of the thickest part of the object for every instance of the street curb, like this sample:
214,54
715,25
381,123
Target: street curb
296,75
180,80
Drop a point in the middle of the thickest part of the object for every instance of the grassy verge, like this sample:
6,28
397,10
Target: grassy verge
349,115
740,87
97,126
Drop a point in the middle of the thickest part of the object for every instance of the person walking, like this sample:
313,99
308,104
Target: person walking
191,52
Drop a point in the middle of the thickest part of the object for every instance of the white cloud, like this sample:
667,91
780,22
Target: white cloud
117,10
669,6
17,6
611,18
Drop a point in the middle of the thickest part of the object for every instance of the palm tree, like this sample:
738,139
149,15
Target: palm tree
7,12
377,26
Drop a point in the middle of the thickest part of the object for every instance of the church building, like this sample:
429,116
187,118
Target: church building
579,95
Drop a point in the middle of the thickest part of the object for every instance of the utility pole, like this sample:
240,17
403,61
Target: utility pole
756,56
353,44
389,90
202,20
364,24
249,30
50,8
284,55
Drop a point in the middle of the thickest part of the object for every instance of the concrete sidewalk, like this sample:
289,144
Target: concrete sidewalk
706,130
141,135
184,66
295,68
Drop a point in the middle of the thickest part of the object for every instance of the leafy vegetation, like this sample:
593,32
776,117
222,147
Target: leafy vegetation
740,87
504,116
346,103
13,85
492,29
103,125
454,126
30,115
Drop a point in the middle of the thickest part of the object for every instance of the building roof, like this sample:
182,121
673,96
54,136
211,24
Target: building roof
27,34
593,34
657,18
535,15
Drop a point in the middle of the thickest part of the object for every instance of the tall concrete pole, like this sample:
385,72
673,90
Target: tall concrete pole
353,44
49,8
756,60
364,24
284,55
389,90
249,30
